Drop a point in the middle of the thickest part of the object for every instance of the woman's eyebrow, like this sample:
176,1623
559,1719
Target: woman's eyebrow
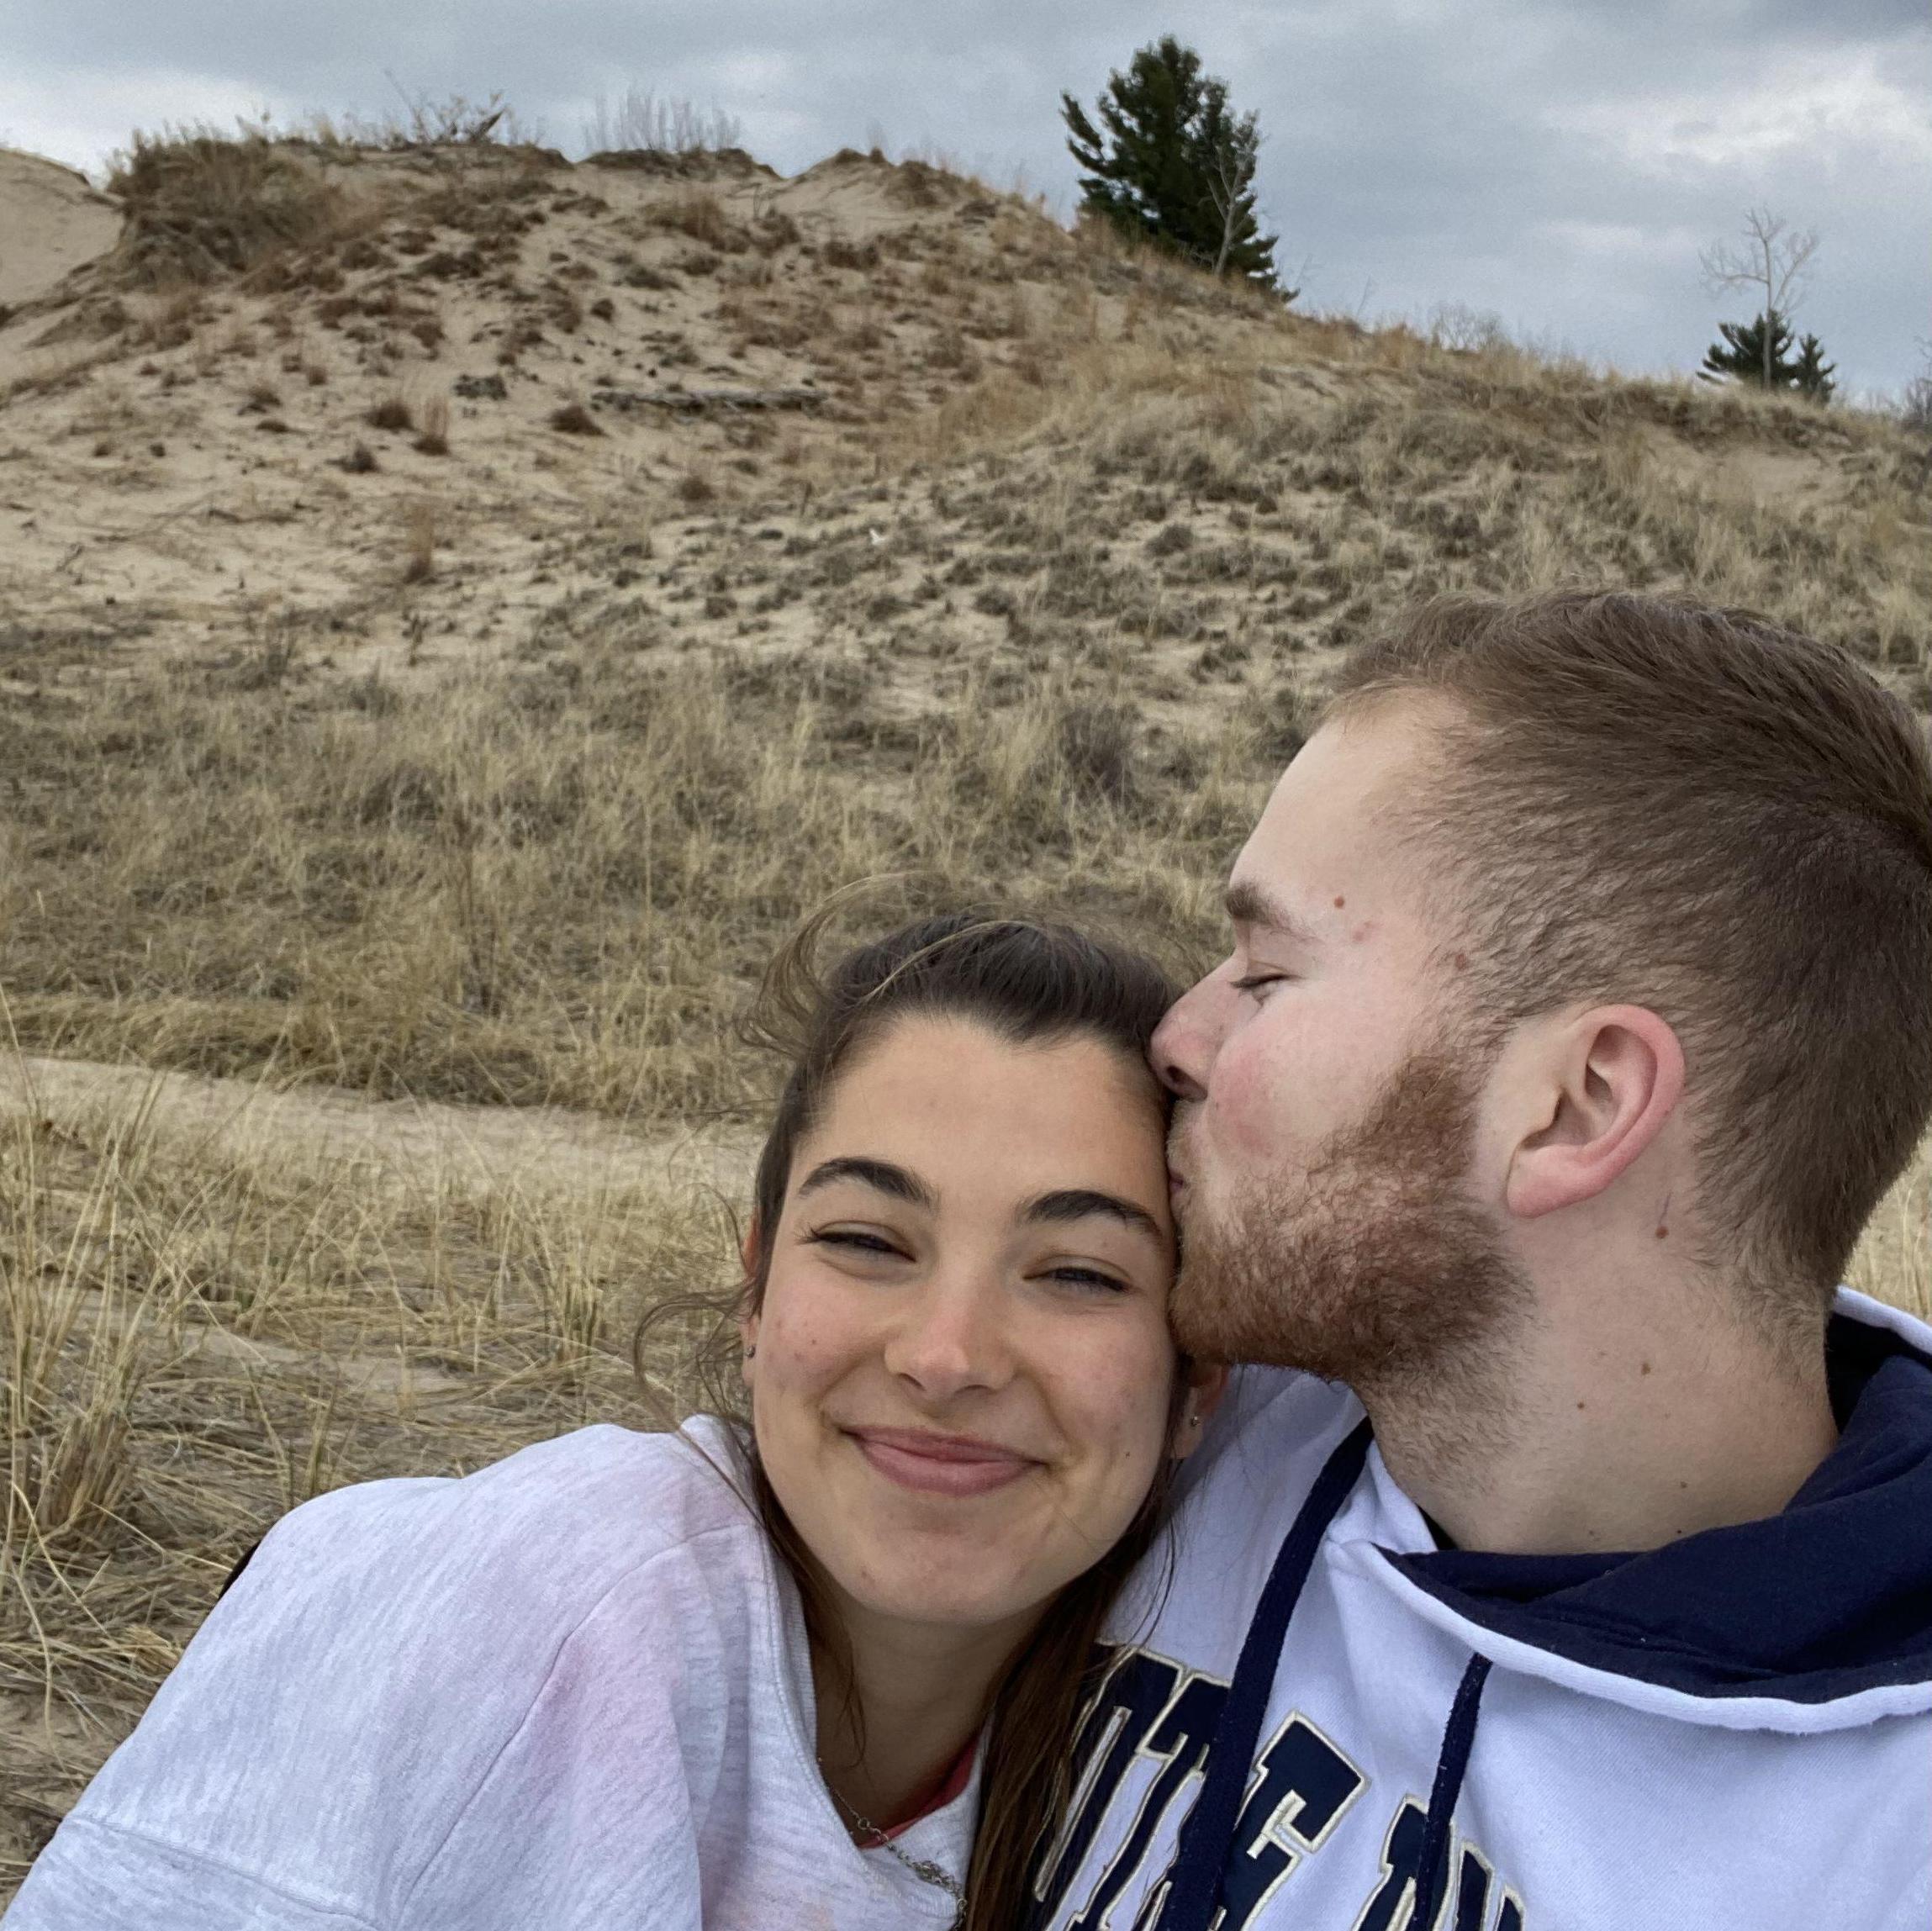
1076,1203
882,1176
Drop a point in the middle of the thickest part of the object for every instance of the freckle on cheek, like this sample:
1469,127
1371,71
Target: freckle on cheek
1339,901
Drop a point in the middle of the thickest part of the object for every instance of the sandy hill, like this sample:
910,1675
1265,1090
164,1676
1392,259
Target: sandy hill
672,541
51,220
805,390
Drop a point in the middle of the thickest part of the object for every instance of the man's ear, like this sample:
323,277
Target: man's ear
1203,1385
1605,1083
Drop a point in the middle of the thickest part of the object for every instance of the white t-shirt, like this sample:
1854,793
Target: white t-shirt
569,1692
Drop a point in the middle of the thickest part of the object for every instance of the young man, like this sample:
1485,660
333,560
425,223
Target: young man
1580,1575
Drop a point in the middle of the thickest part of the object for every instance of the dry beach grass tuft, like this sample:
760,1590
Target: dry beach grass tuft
648,550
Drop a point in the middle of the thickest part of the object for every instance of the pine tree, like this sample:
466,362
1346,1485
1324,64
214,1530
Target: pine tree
1172,163
1744,353
1814,374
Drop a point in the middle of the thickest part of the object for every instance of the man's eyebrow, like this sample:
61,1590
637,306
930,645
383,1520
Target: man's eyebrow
880,1175
1076,1203
1252,904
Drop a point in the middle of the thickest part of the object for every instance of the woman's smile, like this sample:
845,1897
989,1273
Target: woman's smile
940,1465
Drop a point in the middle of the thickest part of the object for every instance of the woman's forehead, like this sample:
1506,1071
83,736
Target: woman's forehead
934,1093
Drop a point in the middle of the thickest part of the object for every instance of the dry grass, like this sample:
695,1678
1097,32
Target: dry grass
573,419
699,214
1894,1260
201,204
548,882
420,532
434,437
1394,470
696,488
198,1338
390,412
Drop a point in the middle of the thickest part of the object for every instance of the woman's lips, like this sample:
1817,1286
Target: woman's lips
940,1464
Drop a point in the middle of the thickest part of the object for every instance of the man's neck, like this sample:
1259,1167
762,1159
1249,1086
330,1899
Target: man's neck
1592,1440
919,1694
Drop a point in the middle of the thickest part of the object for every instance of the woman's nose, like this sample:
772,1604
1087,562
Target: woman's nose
951,1339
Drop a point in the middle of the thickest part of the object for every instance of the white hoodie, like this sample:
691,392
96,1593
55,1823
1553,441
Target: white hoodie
1735,1731
569,1692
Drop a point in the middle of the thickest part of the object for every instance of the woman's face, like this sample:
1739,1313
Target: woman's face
962,1377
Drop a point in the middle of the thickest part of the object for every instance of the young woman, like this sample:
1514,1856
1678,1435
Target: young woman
749,1676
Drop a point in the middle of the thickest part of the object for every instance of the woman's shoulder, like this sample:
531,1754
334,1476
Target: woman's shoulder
545,1531
384,1607
646,1489
345,1702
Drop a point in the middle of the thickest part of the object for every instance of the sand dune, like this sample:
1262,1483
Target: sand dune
51,222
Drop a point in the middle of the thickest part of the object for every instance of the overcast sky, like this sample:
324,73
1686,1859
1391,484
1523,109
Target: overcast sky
1560,163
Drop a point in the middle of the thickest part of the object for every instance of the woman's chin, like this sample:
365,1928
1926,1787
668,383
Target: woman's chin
950,1575
970,1595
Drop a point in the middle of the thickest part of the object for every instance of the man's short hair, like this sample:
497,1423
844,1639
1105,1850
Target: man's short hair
1641,800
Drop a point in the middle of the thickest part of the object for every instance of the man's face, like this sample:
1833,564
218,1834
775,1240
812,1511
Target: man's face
1323,1145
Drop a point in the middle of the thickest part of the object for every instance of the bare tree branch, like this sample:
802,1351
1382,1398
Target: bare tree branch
1224,187
1770,255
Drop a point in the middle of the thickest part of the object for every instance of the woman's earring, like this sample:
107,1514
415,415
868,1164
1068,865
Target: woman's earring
751,1351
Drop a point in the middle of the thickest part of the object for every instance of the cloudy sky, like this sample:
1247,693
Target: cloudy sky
1559,162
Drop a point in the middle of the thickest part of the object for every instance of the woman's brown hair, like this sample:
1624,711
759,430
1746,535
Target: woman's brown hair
1028,983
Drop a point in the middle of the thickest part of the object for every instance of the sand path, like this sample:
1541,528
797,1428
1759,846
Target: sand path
412,1141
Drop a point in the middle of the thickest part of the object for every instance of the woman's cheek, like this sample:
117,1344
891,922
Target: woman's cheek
802,1337
1125,1408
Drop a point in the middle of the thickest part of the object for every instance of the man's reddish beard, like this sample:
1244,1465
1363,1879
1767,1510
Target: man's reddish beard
1372,1266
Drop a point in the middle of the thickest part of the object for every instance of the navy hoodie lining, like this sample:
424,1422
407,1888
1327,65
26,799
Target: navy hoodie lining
1830,1597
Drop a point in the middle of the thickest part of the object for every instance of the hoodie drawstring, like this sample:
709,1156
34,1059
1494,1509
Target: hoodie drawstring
1209,1833
1207,1838
1432,1867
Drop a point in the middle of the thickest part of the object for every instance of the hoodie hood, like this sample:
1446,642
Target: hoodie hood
1827,1606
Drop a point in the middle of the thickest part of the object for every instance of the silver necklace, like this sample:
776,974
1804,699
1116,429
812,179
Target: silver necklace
923,1868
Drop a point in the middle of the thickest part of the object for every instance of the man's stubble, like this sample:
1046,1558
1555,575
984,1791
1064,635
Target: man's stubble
1372,1266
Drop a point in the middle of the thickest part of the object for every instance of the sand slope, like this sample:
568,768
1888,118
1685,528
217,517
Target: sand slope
50,221
699,396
